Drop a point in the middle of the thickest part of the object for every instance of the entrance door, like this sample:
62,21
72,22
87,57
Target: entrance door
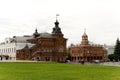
38,58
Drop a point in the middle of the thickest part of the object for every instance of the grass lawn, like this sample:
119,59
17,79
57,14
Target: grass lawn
56,71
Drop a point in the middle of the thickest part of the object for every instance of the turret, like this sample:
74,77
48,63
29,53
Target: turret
36,34
57,30
85,39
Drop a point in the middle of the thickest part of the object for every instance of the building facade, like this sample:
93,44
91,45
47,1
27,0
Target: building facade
9,47
87,52
110,49
48,47
7,50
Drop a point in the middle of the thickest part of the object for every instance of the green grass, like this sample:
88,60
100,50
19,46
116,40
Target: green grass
57,71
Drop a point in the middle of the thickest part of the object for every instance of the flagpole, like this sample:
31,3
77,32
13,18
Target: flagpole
57,17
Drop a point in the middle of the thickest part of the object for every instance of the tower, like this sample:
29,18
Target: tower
59,42
36,34
84,39
57,30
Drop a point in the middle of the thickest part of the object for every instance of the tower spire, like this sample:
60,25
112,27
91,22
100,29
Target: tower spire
57,23
57,17
85,38
57,29
36,31
36,34
84,30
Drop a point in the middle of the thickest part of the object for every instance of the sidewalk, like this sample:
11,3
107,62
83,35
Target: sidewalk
17,61
111,63
103,63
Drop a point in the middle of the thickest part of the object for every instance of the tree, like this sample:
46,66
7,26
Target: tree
117,50
68,55
111,57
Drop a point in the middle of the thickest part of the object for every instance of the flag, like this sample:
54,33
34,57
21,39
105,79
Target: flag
57,15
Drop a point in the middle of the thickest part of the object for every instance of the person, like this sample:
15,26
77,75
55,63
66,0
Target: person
82,61
0,58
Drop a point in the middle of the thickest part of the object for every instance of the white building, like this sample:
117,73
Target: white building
9,47
110,49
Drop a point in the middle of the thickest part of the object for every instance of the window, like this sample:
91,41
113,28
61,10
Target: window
27,55
17,54
50,50
47,50
44,50
10,49
60,50
6,50
14,49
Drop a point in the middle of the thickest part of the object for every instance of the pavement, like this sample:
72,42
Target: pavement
17,61
102,63
111,63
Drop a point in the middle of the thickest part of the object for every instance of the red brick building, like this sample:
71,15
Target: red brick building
48,47
87,52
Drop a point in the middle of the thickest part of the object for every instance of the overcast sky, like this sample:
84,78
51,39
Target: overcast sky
101,18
